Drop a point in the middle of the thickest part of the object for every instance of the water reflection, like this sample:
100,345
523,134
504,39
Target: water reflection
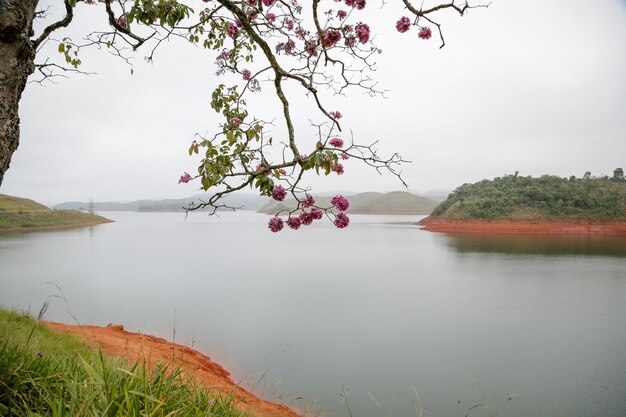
539,244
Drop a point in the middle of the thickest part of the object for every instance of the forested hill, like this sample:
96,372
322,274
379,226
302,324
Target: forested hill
548,197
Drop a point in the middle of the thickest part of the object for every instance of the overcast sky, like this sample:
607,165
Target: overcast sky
535,86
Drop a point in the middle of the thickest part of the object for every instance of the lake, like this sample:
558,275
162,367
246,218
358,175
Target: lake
375,314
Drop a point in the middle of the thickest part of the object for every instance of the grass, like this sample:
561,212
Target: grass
43,373
19,214
51,219
10,203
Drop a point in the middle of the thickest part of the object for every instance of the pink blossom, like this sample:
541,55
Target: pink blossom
185,178
122,21
275,224
308,201
289,23
225,54
90,1
279,193
316,213
247,75
351,3
345,156
270,17
341,220
261,169
362,32
403,24
350,41
340,202
232,30
268,3
306,218
336,142
341,14
311,47
338,169
425,33
294,222
235,121
330,38
282,171
336,114
360,4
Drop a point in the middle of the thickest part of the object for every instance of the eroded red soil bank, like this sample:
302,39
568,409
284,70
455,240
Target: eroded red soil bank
114,340
510,226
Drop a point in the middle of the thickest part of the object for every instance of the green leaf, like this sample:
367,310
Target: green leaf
61,47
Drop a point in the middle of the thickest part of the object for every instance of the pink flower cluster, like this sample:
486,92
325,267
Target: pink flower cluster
341,220
336,114
362,32
336,142
330,38
232,30
425,33
359,4
247,75
185,178
308,201
271,17
306,218
403,24
268,3
341,14
279,193
276,224
337,169
340,202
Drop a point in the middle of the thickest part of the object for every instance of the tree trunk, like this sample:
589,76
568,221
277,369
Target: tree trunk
17,57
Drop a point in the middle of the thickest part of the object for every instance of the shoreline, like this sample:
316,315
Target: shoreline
85,220
116,341
523,226
53,228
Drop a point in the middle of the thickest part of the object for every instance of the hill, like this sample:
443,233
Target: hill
22,214
548,197
244,201
397,202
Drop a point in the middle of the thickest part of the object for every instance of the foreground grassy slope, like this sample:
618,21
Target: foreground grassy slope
23,214
548,197
46,373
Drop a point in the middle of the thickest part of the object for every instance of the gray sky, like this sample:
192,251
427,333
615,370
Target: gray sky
531,85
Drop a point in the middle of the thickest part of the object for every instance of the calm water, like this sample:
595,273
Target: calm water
373,313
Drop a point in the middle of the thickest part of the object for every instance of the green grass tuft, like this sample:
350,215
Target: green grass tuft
43,373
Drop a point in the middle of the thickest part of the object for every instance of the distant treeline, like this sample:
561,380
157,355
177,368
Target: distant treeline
527,198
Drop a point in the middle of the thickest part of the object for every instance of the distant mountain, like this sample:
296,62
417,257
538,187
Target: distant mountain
243,201
398,202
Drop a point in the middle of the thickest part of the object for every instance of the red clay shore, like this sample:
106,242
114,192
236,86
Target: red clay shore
513,226
114,340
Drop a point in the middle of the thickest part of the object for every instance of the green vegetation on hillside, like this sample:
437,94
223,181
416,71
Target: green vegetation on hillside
370,202
43,373
547,197
23,214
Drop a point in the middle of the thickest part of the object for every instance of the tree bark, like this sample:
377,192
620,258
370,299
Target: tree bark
17,62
